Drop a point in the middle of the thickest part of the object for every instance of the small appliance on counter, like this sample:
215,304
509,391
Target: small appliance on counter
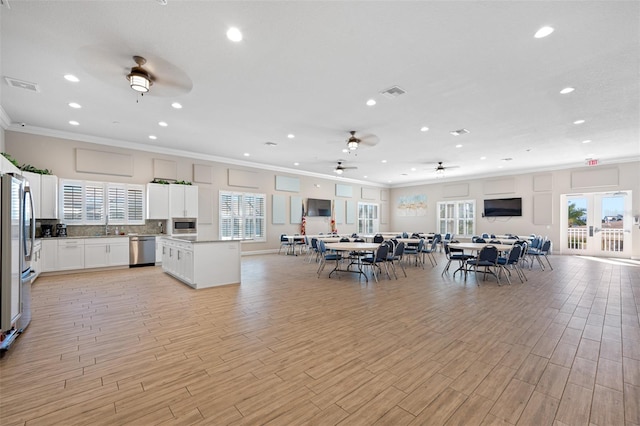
61,230
46,231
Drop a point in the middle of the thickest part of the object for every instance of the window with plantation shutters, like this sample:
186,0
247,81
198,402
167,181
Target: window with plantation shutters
71,200
456,217
367,218
242,216
91,203
135,205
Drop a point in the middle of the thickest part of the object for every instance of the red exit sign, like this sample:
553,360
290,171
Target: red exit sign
592,162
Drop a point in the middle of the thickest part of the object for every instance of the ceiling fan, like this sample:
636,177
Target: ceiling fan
440,168
340,168
354,142
109,64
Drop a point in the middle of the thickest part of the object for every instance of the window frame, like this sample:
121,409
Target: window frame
454,220
242,221
369,223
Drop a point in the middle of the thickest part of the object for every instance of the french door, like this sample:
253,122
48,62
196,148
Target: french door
597,224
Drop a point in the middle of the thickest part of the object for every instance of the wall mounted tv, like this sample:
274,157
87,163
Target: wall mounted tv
503,207
317,207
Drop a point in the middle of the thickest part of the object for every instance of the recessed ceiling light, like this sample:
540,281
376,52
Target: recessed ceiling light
371,102
345,150
162,124
483,158
413,169
234,34
567,90
72,78
424,129
458,146
291,136
365,176
246,154
543,32
383,161
74,123
176,105
154,137
75,105
587,141
578,122
296,164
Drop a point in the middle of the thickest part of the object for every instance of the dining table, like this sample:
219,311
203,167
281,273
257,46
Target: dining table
475,248
359,248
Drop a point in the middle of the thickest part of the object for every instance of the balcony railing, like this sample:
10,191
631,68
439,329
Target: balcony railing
611,240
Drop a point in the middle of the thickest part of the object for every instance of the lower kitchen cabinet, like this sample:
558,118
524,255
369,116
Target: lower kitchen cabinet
104,252
202,264
70,254
49,255
36,258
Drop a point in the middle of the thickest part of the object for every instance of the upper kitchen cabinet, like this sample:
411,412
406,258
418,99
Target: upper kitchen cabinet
157,201
44,189
7,166
183,200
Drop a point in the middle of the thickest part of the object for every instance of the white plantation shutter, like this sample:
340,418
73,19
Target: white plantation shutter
72,201
242,216
135,205
94,202
116,202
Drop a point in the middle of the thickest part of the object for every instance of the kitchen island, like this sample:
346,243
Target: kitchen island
201,263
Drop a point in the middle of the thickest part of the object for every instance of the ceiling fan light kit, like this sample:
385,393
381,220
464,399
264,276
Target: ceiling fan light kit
140,79
352,142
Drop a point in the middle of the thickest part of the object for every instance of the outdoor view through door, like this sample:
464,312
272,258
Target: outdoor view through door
597,224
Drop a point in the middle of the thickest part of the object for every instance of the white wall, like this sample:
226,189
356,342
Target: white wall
527,186
59,156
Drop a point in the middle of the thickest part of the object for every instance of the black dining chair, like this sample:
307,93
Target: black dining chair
487,259
375,261
512,260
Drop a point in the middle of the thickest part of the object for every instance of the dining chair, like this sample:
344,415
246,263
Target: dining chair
380,258
284,242
430,250
415,250
541,252
511,260
324,256
396,256
487,259
456,254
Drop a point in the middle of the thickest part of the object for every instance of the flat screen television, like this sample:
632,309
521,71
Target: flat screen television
317,207
503,207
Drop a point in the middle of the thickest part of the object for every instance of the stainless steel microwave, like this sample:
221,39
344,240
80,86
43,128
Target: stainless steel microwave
184,225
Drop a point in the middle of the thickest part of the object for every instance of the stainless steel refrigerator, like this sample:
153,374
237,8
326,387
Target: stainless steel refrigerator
17,235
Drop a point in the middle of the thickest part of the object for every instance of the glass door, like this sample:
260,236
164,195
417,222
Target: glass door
597,224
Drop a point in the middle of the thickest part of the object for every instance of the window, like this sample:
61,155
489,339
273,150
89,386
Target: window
90,203
457,217
242,216
367,218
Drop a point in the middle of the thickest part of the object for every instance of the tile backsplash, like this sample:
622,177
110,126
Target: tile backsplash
150,227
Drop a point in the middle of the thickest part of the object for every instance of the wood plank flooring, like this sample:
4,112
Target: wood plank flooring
137,347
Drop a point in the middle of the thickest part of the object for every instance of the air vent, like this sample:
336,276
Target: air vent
393,92
14,82
459,132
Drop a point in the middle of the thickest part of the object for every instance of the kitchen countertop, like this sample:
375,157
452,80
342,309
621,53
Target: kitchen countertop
102,236
195,239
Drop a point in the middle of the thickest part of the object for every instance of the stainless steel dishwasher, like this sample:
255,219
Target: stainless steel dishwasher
142,250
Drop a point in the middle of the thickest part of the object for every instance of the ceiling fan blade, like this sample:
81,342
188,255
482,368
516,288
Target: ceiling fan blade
451,167
368,139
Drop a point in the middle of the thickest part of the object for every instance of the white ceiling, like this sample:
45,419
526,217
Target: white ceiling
308,67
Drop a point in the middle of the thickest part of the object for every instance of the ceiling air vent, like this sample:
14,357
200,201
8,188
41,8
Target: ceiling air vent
393,92
14,82
459,132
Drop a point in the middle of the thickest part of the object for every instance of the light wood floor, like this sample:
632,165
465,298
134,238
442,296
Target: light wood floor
137,347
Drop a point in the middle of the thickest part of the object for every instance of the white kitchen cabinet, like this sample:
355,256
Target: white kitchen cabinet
105,252
36,258
70,254
202,264
49,255
7,166
157,201
159,251
44,189
183,200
